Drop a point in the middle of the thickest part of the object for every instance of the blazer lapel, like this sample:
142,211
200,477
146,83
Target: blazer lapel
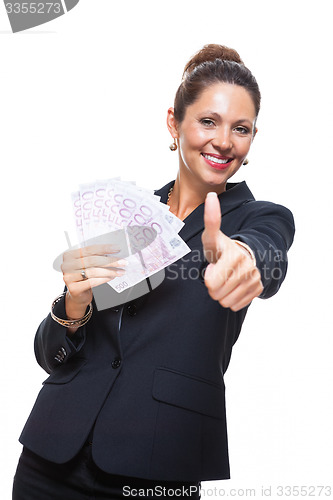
235,195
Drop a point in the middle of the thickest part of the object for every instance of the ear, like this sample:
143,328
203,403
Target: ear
172,123
254,133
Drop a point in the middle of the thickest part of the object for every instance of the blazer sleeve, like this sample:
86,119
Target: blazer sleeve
269,231
53,346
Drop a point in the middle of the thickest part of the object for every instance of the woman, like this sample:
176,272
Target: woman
135,396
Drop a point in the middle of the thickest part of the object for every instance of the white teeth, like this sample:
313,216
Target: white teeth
215,160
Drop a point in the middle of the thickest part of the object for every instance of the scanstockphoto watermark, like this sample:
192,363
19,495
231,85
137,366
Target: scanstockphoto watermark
193,267
279,491
23,14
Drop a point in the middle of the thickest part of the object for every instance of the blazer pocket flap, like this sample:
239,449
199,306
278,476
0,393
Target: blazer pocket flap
191,393
66,372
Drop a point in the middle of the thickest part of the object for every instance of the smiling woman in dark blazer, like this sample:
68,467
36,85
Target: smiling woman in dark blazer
135,396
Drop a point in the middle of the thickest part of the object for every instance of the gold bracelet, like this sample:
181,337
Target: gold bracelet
70,323
248,249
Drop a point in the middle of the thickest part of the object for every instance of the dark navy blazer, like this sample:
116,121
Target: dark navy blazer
147,375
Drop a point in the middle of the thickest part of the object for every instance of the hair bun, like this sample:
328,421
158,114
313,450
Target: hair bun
209,53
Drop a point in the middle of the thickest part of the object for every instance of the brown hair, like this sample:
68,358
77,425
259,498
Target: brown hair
213,64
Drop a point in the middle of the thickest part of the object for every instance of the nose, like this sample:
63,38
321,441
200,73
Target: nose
223,139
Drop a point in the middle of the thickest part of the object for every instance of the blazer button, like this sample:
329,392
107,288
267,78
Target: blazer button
116,363
131,309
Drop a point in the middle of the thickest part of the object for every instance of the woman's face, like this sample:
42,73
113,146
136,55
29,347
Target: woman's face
215,134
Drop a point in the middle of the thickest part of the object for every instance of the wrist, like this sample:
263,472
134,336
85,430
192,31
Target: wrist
248,250
74,310
70,323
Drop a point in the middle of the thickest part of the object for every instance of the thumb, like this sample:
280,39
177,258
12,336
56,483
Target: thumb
211,236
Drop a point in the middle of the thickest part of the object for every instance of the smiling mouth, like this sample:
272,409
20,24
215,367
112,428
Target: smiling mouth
220,161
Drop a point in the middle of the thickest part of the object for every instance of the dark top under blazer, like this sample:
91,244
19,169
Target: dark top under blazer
148,375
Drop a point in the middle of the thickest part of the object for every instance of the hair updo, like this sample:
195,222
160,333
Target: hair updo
213,64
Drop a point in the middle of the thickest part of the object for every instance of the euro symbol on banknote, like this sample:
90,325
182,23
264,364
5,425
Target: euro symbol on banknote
24,15
131,240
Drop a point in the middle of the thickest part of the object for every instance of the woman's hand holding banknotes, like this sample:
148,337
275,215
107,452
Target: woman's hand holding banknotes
85,268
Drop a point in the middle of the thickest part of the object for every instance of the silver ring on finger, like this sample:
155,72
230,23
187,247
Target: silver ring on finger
84,276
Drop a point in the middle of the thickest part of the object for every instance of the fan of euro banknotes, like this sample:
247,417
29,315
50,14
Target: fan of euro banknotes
134,219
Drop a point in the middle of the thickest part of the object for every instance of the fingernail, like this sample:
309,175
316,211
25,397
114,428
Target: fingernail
120,272
113,248
211,194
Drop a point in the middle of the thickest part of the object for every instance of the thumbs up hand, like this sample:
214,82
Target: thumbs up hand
231,277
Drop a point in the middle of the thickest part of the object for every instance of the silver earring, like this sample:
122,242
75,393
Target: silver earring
246,161
173,146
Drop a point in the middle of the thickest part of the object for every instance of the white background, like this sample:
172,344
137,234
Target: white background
85,97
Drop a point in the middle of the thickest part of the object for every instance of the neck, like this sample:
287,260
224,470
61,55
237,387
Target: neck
187,196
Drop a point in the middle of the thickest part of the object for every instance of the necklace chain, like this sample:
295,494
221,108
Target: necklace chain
169,194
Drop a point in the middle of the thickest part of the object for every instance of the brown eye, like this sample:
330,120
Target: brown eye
207,122
242,130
